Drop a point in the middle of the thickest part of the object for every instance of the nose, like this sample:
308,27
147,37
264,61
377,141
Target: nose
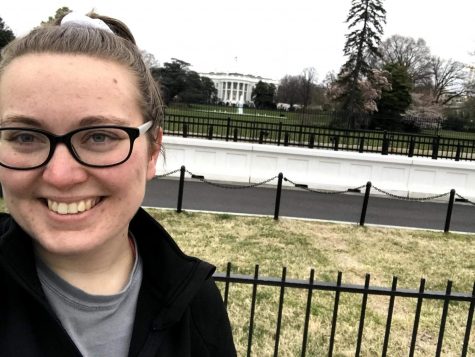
63,171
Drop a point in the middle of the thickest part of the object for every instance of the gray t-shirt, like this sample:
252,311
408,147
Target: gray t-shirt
99,325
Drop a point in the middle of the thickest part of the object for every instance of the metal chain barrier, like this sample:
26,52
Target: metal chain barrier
322,192
239,187
411,198
465,199
233,187
168,173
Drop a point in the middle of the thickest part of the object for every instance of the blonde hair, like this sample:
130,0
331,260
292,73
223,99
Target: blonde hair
118,46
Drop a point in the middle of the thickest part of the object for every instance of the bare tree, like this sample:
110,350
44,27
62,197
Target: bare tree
413,54
149,59
289,90
307,85
448,80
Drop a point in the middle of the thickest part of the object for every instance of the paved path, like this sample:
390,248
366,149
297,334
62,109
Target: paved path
347,207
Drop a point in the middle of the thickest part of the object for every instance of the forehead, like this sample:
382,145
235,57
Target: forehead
73,86
49,68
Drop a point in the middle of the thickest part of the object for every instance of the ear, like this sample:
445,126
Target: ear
152,162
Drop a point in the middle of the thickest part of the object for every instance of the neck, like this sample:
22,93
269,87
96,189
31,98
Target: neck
103,272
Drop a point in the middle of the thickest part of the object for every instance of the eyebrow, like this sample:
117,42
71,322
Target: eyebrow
102,120
87,121
20,119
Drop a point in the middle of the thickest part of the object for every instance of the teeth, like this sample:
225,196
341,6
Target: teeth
72,207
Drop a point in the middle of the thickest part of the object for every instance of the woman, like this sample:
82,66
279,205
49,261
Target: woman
84,271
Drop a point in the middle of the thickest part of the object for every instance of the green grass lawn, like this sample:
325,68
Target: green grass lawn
328,248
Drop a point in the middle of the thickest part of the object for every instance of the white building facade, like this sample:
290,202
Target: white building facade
235,88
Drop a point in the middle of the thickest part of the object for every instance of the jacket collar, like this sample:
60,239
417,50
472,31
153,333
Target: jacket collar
174,277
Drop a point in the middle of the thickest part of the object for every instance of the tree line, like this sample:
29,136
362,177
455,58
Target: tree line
394,81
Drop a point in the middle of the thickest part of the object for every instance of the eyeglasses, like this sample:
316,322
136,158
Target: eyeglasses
97,146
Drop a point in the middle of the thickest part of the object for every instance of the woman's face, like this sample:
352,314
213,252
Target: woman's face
59,93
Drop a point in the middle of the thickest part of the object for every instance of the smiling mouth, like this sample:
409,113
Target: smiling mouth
72,207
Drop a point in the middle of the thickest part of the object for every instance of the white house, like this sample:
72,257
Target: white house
235,88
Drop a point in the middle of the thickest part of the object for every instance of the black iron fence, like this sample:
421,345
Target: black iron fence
447,297
292,134
394,294
454,125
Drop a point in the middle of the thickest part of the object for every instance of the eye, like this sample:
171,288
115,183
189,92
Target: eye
99,137
26,138
23,137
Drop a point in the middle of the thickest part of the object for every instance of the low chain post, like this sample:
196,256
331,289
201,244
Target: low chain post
180,189
449,211
365,203
286,139
185,130
278,195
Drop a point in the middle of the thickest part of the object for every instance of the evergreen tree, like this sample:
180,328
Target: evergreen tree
60,13
365,20
394,101
6,35
179,83
263,95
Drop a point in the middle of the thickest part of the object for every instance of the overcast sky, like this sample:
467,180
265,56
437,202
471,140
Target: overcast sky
269,38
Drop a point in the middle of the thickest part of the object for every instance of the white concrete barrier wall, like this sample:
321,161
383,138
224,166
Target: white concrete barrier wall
319,169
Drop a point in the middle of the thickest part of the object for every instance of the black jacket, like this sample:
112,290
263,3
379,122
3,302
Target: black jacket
179,312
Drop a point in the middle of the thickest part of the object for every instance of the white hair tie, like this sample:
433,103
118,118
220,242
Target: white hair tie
75,19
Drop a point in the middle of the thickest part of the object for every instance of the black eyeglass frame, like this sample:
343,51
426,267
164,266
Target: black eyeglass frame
65,139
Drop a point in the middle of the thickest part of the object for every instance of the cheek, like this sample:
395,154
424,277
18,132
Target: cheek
17,183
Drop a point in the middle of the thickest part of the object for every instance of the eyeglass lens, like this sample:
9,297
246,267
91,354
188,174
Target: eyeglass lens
101,146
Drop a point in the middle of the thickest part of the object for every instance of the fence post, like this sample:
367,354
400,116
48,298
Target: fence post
180,189
385,148
435,147
235,135
336,142
311,141
459,151
228,128
261,136
449,210
361,148
466,339
365,203
412,145
279,134
210,133
300,134
286,139
277,196
185,130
